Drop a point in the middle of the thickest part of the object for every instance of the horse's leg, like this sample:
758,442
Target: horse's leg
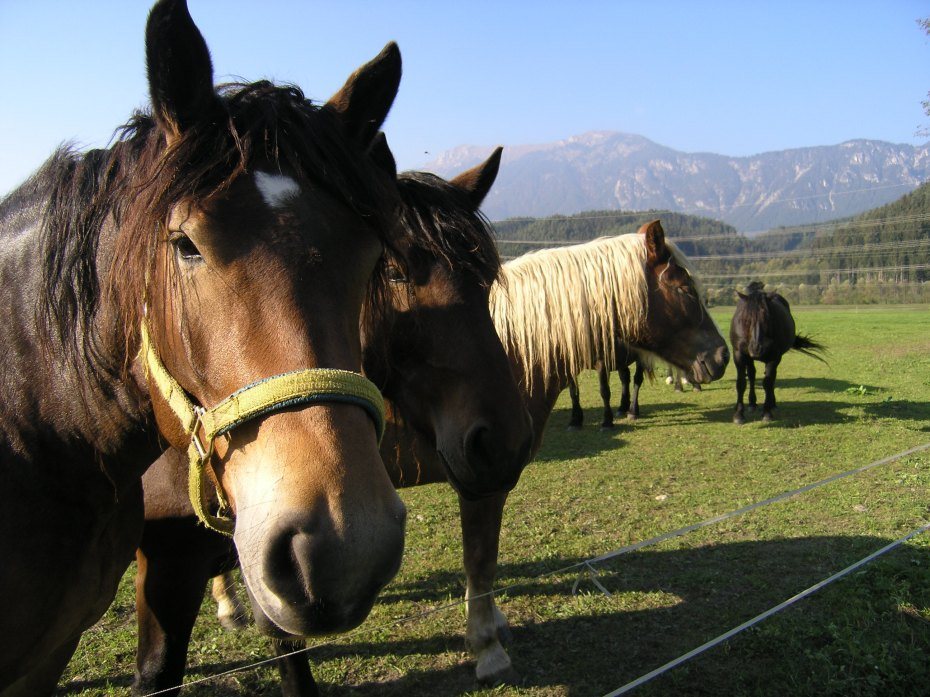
294,668
768,384
633,413
739,361
229,609
168,597
577,417
751,372
487,626
624,409
44,676
603,375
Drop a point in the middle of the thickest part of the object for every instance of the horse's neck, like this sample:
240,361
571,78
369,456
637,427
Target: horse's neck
539,396
54,412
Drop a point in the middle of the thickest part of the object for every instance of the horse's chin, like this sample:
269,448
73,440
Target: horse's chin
314,620
467,492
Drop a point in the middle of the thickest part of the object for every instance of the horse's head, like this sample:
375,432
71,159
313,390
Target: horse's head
678,327
436,353
752,329
265,219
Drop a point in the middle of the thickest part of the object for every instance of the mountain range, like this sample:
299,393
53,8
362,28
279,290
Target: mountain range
605,170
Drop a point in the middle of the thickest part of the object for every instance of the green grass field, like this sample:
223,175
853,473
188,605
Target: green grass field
590,492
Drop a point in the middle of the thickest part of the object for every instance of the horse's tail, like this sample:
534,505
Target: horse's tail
808,346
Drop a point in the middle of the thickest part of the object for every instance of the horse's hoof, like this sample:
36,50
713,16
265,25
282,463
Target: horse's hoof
233,623
507,676
573,427
494,668
608,427
751,407
767,418
630,416
739,420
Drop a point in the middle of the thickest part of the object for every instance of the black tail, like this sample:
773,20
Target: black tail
808,346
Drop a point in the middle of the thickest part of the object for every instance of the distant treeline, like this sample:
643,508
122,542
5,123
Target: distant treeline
880,256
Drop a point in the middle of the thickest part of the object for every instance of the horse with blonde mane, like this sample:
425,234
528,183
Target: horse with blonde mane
557,311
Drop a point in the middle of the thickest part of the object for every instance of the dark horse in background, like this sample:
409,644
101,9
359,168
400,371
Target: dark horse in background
432,350
762,329
233,232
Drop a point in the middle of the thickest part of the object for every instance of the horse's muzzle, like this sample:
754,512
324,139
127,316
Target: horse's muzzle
316,580
710,365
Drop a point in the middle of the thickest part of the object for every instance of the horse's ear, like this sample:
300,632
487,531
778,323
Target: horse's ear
179,68
477,181
742,296
656,249
365,100
381,155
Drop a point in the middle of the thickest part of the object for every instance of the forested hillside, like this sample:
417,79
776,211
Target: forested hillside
882,255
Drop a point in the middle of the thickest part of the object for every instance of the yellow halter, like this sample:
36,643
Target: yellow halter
310,386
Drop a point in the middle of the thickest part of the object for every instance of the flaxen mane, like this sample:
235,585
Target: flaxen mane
558,310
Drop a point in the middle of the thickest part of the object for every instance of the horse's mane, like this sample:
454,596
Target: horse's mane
136,181
752,310
439,218
558,310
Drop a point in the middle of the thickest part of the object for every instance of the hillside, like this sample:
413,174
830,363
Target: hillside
880,255
619,171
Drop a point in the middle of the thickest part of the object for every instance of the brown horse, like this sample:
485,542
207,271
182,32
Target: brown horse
435,354
762,329
556,312
233,234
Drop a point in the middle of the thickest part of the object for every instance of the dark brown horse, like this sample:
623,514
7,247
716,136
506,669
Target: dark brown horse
237,232
554,323
762,329
435,354
629,399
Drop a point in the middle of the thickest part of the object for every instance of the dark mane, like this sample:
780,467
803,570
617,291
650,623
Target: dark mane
135,183
438,217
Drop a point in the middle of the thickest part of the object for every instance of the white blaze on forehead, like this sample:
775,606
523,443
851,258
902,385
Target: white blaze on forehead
276,188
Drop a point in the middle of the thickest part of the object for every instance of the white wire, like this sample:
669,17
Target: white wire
768,613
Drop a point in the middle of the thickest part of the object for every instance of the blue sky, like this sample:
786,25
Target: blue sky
736,78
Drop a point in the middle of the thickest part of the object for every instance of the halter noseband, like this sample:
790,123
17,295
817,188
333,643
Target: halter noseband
309,386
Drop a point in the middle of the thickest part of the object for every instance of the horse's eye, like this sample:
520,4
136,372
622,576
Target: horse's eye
183,245
395,275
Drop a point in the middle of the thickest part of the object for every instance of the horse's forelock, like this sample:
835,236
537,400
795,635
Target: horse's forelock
439,218
266,126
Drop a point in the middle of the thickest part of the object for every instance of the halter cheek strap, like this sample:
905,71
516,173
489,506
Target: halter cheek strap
300,387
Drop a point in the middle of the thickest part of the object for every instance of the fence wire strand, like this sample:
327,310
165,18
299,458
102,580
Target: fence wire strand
765,615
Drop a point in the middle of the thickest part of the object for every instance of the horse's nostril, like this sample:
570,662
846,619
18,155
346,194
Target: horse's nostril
477,447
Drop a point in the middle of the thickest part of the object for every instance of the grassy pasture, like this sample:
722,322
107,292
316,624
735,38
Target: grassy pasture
592,492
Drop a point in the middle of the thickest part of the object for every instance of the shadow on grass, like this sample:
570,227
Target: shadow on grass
821,384
900,409
663,604
696,595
